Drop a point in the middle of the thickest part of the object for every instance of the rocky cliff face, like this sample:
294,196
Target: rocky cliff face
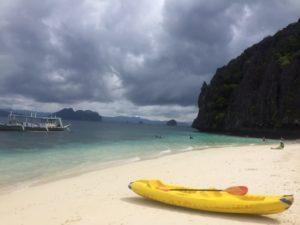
259,90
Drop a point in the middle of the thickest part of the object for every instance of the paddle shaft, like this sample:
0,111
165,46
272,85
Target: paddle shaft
187,189
236,190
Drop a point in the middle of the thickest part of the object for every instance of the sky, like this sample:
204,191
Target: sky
144,58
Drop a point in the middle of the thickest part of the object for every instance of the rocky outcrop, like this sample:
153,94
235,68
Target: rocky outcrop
257,91
171,123
70,114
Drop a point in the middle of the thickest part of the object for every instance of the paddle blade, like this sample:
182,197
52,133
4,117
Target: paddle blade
237,190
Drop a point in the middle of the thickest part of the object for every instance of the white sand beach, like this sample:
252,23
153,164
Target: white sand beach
102,197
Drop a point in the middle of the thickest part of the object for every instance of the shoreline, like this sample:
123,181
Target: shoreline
102,196
84,169
290,135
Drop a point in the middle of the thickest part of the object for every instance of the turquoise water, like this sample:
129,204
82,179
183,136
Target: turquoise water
29,157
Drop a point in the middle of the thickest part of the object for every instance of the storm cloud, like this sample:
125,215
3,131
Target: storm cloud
147,54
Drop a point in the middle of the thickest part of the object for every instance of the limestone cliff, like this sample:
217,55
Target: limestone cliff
257,91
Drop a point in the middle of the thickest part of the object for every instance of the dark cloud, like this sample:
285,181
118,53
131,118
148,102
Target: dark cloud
146,52
197,37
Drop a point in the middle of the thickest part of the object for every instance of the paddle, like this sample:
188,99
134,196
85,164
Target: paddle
235,190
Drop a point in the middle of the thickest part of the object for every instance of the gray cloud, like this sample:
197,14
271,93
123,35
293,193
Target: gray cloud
200,36
149,53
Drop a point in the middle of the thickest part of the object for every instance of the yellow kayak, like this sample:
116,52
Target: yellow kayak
214,201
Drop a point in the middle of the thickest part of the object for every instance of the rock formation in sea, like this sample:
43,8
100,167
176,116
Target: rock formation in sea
171,123
70,114
257,91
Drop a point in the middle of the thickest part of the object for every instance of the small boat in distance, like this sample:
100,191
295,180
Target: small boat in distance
33,123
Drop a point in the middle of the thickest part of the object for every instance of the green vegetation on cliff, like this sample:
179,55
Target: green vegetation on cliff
258,90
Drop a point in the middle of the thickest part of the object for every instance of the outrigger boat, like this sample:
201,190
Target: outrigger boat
33,123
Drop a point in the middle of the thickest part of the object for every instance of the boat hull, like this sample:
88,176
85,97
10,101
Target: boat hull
213,201
44,129
4,127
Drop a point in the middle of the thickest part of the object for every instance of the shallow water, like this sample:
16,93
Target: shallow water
28,157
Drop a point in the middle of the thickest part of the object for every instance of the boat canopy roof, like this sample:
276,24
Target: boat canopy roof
12,115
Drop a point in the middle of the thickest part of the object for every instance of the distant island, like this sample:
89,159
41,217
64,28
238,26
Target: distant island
4,113
70,114
139,120
88,115
171,123
258,92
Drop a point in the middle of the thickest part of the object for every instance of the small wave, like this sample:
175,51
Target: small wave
134,159
157,154
190,148
164,152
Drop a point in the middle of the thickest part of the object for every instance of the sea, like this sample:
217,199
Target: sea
29,158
